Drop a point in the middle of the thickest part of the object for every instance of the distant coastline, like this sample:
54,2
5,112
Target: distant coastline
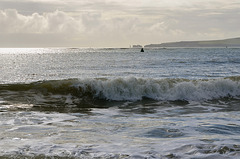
233,42
137,46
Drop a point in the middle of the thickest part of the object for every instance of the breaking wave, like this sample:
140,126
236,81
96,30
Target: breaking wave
133,89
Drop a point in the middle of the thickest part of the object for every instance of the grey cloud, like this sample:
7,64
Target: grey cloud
29,7
109,22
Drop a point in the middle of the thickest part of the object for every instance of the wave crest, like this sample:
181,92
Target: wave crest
133,89
163,89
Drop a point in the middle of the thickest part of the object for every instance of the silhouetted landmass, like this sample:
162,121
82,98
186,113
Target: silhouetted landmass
234,42
137,46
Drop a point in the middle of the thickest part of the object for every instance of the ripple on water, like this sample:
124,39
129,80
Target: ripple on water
164,133
220,129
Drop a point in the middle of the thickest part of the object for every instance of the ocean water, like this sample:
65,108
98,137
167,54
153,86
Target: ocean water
120,103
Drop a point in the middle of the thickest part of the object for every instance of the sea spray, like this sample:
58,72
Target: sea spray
162,89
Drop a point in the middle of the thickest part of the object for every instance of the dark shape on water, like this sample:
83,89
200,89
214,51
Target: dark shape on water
142,50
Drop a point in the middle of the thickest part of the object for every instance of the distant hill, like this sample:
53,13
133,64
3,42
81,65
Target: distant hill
234,42
137,46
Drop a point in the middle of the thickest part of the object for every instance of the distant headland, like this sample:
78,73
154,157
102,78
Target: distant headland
233,42
137,46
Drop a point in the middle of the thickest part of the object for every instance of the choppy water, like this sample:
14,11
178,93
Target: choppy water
120,103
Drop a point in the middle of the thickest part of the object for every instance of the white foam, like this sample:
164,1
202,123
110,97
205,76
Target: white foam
164,89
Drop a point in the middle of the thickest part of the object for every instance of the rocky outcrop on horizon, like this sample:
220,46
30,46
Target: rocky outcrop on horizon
137,46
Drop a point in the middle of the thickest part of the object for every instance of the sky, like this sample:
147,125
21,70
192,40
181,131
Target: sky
115,23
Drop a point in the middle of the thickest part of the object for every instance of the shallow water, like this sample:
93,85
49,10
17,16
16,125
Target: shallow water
120,103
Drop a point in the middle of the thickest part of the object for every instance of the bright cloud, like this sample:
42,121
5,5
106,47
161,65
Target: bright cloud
56,22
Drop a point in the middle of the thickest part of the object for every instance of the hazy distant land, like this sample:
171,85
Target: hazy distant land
137,46
233,42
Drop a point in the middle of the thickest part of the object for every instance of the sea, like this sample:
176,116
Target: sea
166,103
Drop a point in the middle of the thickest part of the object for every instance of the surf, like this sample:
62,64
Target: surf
132,89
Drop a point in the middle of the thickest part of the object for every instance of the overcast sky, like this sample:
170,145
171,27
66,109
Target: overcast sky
115,23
